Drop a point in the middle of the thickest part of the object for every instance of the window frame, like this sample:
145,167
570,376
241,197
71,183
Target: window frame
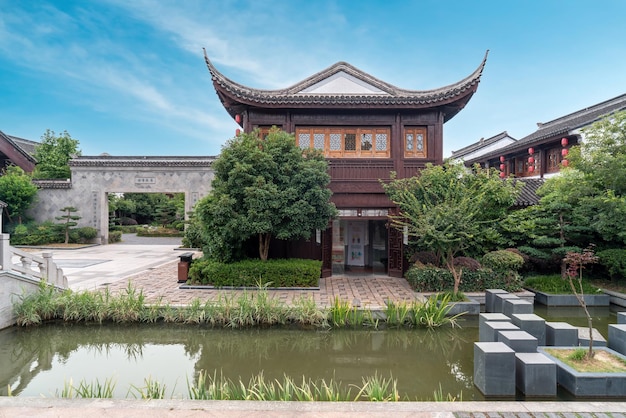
343,131
414,152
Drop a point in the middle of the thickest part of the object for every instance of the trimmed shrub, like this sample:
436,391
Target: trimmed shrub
426,258
614,260
115,236
253,273
83,234
503,260
467,263
127,221
433,279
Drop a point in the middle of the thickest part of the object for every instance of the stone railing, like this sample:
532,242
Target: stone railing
42,268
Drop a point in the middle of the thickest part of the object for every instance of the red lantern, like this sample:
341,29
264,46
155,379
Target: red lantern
238,118
531,160
502,167
502,158
564,152
531,168
564,142
502,174
531,151
565,163
238,132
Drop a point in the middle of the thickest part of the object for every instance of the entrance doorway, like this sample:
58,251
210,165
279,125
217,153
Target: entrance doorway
359,246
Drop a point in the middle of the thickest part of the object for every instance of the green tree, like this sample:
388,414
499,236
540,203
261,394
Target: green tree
18,192
602,154
53,155
585,204
264,188
448,209
69,220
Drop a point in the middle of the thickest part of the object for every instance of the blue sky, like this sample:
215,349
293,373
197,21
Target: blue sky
127,77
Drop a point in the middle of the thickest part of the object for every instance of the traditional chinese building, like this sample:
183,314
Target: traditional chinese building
366,128
543,152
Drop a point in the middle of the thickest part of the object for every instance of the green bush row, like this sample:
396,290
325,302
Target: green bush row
555,284
158,232
272,273
50,233
434,279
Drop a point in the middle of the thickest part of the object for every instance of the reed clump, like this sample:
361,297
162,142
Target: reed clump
247,309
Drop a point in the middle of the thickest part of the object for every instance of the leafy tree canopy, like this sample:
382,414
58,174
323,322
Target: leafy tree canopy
264,188
17,191
585,204
53,155
602,154
448,209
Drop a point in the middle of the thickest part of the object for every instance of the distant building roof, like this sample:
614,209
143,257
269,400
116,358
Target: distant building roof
528,194
576,120
484,145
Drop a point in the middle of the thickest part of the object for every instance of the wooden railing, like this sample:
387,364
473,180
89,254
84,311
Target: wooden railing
42,268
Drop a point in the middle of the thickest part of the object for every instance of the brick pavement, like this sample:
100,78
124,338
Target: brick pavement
160,284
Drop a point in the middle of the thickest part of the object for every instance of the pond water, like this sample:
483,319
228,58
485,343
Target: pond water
38,361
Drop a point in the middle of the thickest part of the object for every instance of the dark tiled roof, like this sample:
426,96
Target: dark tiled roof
481,143
23,146
528,194
390,95
26,144
573,121
152,161
2,204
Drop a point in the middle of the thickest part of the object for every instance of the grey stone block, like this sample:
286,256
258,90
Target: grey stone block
583,337
516,306
535,375
471,307
520,341
570,300
621,317
494,369
499,299
492,328
493,317
490,298
617,338
532,324
561,334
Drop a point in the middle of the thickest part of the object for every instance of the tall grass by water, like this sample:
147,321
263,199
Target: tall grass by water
248,309
257,388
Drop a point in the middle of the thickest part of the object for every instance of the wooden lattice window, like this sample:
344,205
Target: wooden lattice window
348,142
553,160
415,142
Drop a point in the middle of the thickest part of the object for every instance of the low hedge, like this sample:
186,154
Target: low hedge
556,285
434,279
253,273
158,232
